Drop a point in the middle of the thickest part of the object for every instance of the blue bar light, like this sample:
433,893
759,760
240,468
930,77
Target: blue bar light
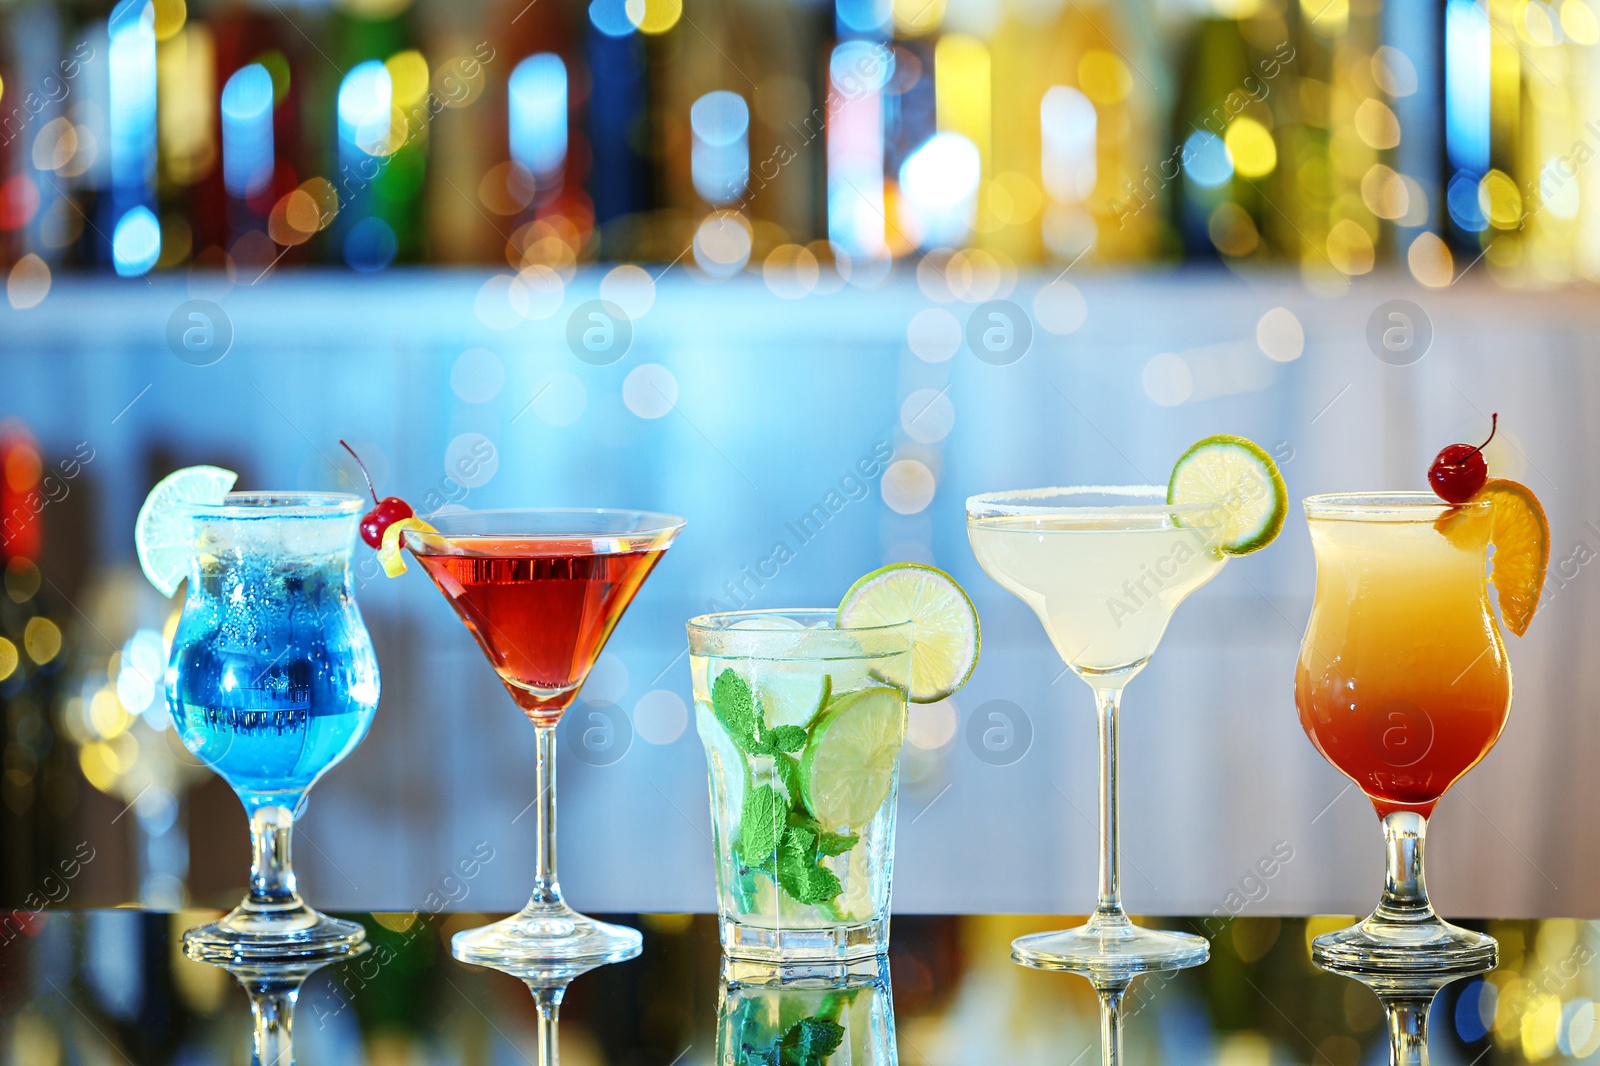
131,57
365,99
538,116
247,148
136,242
720,158
1466,86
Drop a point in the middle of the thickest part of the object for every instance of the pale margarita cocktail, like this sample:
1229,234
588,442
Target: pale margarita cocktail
1104,568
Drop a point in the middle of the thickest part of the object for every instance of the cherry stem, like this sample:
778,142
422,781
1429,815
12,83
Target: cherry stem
1494,427
368,477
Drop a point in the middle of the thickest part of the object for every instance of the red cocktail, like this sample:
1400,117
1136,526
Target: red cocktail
542,590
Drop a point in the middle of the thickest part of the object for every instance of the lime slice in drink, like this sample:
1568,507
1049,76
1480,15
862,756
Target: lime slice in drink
793,698
849,763
947,637
164,532
1240,482
726,762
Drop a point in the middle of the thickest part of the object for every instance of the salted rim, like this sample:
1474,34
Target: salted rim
1001,505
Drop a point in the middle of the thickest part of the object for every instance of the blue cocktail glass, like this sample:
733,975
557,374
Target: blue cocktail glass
272,681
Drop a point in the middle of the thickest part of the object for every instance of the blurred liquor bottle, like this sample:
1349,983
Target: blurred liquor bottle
1077,102
251,111
1218,209
378,134
37,776
502,96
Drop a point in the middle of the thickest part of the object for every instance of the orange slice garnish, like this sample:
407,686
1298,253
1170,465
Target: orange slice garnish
1521,539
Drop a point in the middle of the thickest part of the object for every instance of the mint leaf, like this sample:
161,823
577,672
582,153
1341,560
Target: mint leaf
760,823
836,843
735,706
809,1041
798,871
790,738
788,768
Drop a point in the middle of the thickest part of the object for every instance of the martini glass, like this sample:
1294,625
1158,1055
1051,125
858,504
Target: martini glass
1403,684
541,590
1103,568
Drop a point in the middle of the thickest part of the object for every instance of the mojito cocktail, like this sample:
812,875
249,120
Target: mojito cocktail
802,723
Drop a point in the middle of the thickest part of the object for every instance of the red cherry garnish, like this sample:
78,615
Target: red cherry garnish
388,511
1459,471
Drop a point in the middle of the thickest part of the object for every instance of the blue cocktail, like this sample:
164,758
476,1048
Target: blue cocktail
272,681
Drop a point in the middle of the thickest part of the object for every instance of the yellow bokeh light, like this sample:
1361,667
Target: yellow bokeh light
1376,125
1430,261
917,17
408,77
1327,17
1104,77
1578,22
42,638
1385,192
107,717
1540,24
1251,145
1350,248
654,16
8,658
99,764
170,17
1541,1025
1500,200
1237,9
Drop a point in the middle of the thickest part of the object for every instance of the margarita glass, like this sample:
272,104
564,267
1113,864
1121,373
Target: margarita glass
1103,568
1403,684
272,681
802,825
541,591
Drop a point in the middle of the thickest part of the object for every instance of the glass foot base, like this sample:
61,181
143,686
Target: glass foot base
546,931
800,944
1428,947
253,933
1110,951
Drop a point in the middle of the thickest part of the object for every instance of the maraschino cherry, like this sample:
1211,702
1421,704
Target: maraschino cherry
1459,471
388,511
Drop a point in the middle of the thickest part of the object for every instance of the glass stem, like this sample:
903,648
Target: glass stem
546,890
1109,908
1408,1030
1111,1024
273,1014
272,883
548,1003
1405,893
